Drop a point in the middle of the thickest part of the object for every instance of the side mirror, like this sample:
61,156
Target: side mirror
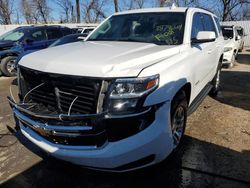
204,36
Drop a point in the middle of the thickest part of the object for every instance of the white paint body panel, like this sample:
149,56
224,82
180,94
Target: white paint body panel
156,139
176,66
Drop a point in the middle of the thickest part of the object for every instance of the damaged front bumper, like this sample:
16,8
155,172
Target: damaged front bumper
102,141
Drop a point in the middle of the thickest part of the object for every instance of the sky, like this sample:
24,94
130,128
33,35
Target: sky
55,12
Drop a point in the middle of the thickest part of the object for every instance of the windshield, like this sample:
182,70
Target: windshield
228,33
13,35
159,28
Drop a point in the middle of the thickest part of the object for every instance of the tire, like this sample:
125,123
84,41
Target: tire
179,108
8,66
216,83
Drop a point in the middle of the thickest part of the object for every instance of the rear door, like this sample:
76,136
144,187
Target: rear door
53,34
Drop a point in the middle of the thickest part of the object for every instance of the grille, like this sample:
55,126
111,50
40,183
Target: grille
57,92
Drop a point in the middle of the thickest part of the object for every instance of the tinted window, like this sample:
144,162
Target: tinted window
197,25
67,31
54,33
38,35
208,23
158,28
88,31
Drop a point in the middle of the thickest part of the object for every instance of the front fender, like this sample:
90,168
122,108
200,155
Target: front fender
165,92
10,52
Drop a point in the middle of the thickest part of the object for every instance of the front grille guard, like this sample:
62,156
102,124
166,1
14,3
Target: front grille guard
65,129
59,117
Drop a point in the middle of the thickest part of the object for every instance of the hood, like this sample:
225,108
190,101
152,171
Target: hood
5,45
98,59
229,43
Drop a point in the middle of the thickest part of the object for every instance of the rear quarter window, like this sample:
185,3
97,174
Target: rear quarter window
67,31
54,33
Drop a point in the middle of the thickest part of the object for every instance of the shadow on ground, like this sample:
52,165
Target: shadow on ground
235,89
187,168
243,58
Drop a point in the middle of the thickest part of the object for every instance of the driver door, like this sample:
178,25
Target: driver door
35,40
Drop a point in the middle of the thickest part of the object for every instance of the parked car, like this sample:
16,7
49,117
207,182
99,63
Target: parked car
120,100
242,34
84,30
69,39
61,41
26,38
231,46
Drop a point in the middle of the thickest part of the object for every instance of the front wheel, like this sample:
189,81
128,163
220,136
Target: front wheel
216,83
8,65
178,118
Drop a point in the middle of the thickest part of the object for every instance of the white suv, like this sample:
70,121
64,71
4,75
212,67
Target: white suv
120,100
231,46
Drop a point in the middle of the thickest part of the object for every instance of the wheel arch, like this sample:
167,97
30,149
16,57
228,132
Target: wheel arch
187,90
2,56
169,91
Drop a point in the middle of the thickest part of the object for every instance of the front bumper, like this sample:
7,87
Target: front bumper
227,57
155,140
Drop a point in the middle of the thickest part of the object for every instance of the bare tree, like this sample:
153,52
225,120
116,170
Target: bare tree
116,5
27,11
161,3
139,3
6,10
230,8
66,7
78,14
93,10
42,9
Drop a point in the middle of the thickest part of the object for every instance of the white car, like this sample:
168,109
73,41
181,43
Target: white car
242,34
119,101
231,46
84,30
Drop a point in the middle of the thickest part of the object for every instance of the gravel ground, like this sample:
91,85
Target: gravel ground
215,153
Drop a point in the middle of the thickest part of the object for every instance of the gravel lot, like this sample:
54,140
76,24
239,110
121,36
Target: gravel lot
216,152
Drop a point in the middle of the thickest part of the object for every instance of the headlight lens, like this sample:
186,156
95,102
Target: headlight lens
127,93
227,49
134,87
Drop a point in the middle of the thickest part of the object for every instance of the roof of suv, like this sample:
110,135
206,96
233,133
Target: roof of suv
163,9
148,10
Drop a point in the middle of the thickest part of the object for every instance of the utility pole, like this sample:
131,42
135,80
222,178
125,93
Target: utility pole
116,5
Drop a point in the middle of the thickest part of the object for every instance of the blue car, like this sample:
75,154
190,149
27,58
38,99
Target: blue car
26,38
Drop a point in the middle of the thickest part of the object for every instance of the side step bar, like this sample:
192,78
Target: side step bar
198,100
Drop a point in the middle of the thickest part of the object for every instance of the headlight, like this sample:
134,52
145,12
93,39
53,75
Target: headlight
128,93
227,49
